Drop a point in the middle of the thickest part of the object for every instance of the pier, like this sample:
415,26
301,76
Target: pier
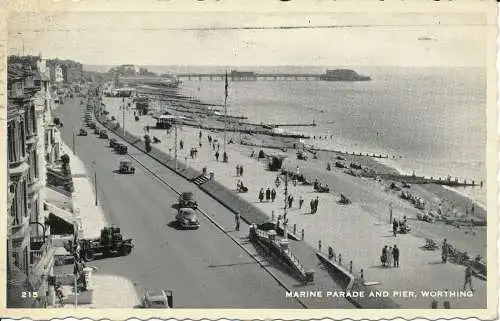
249,76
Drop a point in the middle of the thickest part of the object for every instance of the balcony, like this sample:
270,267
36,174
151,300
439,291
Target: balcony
60,180
19,167
20,232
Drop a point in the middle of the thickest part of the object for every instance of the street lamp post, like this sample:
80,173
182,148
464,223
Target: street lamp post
175,150
95,182
74,152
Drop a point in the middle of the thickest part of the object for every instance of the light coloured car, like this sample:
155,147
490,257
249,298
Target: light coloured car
158,299
186,218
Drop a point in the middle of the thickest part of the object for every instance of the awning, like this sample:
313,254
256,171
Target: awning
58,215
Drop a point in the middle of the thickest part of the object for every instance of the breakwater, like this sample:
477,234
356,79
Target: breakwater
413,179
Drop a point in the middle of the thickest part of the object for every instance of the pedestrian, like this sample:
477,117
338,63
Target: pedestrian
273,195
237,169
468,277
225,158
241,170
268,194
200,144
383,257
444,251
181,144
277,181
290,201
217,155
394,227
316,203
312,206
261,195
395,254
301,201
237,219
200,134
389,256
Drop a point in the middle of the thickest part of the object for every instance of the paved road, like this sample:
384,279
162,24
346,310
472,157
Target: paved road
203,268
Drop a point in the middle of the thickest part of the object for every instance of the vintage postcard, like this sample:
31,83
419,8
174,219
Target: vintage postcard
249,159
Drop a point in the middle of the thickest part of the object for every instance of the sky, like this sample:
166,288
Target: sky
340,39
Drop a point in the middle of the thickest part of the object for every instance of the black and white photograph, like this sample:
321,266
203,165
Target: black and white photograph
282,160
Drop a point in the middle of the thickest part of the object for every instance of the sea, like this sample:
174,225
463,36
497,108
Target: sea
433,120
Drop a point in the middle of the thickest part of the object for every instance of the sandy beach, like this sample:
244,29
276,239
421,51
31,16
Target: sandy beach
357,231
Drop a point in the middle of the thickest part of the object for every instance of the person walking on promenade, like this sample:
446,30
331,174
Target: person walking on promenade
389,256
225,158
237,219
383,257
217,155
395,227
311,203
241,170
277,181
181,144
200,144
237,170
316,203
444,251
468,277
268,194
261,195
199,135
395,254
301,201
290,201
273,195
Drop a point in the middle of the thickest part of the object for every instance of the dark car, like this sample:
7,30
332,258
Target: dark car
186,218
126,167
97,131
83,132
112,142
122,149
92,125
103,134
186,199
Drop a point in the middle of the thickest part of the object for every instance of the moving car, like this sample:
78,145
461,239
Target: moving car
186,218
126,167
186,199
112,142
103,134
83,132
122,149
160,299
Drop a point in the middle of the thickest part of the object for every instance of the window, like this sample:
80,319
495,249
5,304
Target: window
26,260
11,137
22,134
13,210
25,198
35,160
33,118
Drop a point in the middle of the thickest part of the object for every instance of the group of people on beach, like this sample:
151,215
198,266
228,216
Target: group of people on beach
314,205
390,256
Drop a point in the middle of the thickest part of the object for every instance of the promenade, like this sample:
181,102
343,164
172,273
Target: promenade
358,231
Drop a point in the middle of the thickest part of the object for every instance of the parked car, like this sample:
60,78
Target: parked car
122,149
103,134
83,132
186,199
126,167
162,299
186,218
117,146
112,142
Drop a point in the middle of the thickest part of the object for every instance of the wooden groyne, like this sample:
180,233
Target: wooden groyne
292,125
381,156
413,179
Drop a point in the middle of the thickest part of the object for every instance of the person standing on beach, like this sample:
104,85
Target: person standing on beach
237,170
241,170
316,203
199,135
301,201
395,254
217,155
237,219
312,206
268,194
383,257
261,195
273,195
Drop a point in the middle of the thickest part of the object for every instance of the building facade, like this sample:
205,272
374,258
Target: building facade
32,147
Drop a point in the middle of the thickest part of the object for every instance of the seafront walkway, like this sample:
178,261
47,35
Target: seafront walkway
357,232
109,291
